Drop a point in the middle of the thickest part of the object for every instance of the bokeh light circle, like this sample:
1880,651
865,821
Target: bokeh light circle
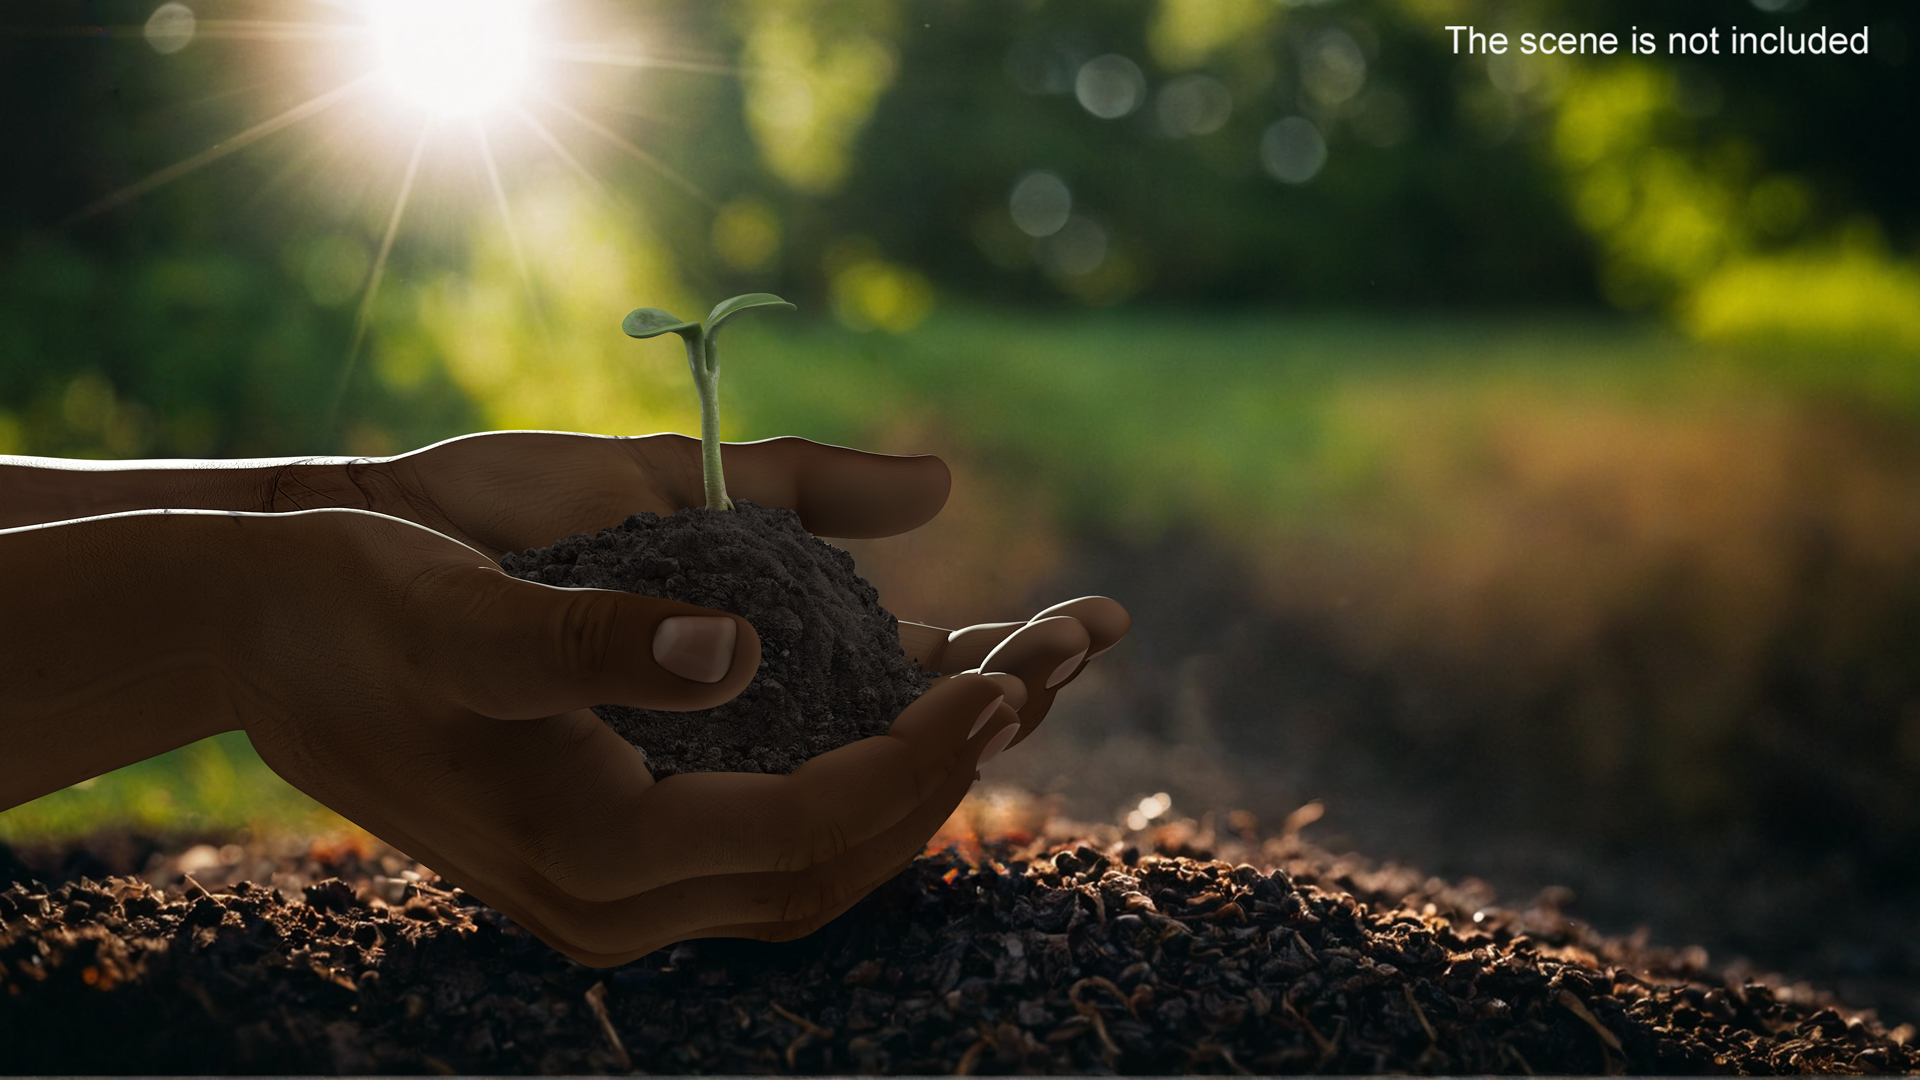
1110,86
1293,150
1040,203
1333,67
1193,105
170,28
1079,248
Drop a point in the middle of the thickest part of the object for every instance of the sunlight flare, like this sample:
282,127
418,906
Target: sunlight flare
454,57
311,107
614,137
363,318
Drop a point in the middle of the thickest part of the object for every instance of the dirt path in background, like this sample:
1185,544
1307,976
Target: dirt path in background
1223,703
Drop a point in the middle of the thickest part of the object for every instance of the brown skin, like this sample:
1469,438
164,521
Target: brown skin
379,660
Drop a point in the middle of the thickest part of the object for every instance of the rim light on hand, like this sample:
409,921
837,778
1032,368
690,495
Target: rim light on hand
456,57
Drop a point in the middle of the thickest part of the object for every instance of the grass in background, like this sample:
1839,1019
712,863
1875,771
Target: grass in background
214,785
1137,419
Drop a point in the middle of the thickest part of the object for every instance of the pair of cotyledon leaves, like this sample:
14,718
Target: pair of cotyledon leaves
649,322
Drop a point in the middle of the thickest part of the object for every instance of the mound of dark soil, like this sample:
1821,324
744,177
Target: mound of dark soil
831,669
1054,958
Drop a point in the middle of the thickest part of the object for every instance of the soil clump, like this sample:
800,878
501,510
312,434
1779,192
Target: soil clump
831,669
1029,957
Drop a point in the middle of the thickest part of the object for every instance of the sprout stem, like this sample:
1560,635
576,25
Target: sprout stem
705,363
703,358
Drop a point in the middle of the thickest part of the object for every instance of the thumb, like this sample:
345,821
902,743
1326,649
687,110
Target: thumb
514,649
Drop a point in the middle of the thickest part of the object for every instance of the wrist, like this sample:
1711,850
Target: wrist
283,486
111,652
37,491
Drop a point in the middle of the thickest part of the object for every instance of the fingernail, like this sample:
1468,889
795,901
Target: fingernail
697,647
1061,673
1012,687
999,742
985,714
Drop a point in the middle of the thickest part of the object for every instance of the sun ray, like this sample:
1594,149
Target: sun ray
298,165
648,115
626,144
506,214
535,308
363,318
311,107
560,150
221,29
599,54
273,30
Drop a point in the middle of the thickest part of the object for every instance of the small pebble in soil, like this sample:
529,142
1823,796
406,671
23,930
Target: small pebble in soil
831,669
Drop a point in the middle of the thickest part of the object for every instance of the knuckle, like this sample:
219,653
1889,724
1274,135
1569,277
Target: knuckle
829,840
549,857
806,898
781,830
570,921
584,634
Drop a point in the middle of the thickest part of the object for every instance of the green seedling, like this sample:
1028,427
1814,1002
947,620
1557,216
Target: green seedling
703,358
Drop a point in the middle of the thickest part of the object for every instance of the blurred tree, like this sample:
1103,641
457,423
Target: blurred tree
864,156
1758,197
1158,119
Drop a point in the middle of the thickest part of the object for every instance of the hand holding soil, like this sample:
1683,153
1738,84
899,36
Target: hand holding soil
396,675
505,491
502,491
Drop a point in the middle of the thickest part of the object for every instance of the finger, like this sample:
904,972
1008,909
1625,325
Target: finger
1043,654
618,840
820,894
803,899
799,928
607,933
923,644
1106,621
838,491
519,650
966,647
929,822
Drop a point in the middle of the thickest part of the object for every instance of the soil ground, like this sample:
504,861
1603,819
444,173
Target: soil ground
1225,704
1027,954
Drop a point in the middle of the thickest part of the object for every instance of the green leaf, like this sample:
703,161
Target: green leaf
649,322
727,309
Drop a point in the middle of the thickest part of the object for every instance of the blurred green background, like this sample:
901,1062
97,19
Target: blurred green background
1520,453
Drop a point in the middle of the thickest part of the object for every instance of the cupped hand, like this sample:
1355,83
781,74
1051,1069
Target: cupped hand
513,490
464,739
400,678
397,675
509,491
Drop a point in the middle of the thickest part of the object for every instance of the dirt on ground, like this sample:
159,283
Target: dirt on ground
1024,954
